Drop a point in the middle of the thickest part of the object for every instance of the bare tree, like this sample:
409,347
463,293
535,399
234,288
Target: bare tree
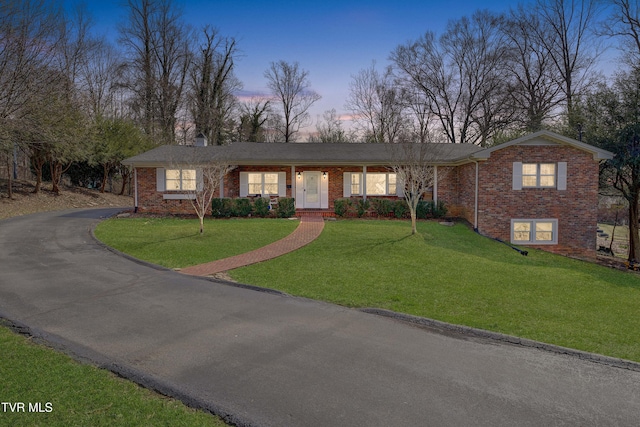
254,114
533,78
99,82
200,180
568,35
156,40
212,85
330,129
415,172
28,38
461,74
377,104
624,24
291,86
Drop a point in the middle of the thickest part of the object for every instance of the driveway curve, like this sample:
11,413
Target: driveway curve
263,359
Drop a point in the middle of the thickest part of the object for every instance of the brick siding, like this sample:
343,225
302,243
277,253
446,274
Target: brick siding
575,208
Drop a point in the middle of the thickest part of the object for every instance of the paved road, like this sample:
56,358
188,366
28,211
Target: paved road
270,360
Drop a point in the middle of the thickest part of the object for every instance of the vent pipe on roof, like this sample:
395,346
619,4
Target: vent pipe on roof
201,140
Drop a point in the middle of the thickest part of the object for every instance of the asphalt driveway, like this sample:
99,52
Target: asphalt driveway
262,359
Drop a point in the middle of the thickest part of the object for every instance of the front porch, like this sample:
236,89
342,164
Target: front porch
324,213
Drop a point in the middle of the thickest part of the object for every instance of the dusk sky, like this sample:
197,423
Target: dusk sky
331,39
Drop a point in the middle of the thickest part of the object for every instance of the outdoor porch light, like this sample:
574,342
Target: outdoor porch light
324,175
299,175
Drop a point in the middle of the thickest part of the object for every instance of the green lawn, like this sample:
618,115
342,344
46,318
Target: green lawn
454,275
66,393
174,242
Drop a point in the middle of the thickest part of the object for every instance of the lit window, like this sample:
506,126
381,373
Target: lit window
262,183
356,179
180,179
539,175
378,184
534,231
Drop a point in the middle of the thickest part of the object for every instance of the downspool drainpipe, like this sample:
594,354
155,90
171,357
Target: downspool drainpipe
475,209
475,219
135,190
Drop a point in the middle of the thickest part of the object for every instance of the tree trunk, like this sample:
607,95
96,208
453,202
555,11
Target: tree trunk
105,175
38,163
125,179
201,224
634,238
414,226
55,169
9,178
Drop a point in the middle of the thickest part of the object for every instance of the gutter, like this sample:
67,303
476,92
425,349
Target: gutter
475,209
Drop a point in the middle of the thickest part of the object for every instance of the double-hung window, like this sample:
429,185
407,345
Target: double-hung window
378,184
534,231
180,179
263,182
540,175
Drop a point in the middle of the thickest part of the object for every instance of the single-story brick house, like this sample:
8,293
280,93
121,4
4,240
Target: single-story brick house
540,189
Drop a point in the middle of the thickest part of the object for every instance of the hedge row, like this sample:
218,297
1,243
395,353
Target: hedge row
386,208
244,207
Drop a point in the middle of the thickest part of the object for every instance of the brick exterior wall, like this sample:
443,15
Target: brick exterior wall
575,208
152,201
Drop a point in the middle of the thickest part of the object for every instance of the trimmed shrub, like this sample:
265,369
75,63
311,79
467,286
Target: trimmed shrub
242,207
382,207
424,209
428,209
261,206
440,210
222,208
362,206
341,207
286,207
400,208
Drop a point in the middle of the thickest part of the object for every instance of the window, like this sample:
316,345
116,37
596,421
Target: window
534,231
180,179
378,184
356,186
538,175
263,182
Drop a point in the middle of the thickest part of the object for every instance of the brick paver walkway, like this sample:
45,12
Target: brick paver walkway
307,231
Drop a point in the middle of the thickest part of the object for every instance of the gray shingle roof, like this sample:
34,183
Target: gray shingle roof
251,153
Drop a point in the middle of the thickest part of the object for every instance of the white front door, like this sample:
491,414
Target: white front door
311,190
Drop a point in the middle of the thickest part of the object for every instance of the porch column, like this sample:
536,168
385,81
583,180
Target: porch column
435,185
364,182
293,181
221,185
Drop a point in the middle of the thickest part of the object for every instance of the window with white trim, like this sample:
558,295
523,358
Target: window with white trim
180,179
538,175
534,231
263,182
378,184
356,183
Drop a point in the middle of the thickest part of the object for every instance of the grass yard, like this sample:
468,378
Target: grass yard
174,242
450,274
72,394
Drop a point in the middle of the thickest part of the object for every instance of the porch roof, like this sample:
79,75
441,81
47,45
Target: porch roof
292,154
